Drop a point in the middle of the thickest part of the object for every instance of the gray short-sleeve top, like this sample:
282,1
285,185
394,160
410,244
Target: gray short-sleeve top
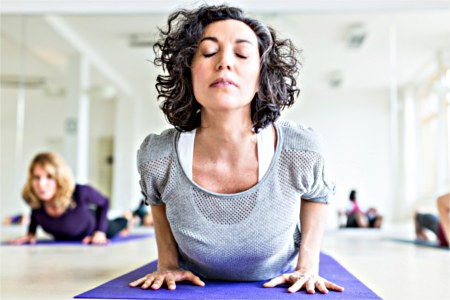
247,236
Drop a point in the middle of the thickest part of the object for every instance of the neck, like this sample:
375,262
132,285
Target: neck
226,127
50,203
225,135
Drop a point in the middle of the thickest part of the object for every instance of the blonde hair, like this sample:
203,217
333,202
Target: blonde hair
58,170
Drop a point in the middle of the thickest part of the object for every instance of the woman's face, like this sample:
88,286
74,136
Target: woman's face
226,66
43,183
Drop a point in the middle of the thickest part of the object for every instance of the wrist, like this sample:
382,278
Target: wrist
308,264
167,267
308,270
166,263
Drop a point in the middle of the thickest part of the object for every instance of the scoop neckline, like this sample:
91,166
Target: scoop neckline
279,138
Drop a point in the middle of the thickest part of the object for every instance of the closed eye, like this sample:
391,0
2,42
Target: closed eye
208,54
241,56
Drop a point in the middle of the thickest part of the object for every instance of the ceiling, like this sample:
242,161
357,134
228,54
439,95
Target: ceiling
401,39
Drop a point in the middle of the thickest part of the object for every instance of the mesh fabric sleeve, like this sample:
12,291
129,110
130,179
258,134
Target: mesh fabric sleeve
151,163
304,150
320,187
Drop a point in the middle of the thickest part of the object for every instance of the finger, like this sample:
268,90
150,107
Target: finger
86,240
20,241
143,281
197,281
310,286
157,282
170,281
320,286
187,275
296,286
275,281
137,282
100,242
149,279
333,286
97,240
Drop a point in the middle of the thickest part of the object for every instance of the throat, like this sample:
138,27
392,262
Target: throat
227,168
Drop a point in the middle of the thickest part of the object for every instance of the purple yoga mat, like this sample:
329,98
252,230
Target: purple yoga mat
118,288
117,239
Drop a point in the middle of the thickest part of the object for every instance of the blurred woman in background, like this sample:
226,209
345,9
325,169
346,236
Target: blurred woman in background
65,210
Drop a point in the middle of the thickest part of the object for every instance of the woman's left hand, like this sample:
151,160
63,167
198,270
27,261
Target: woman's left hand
98,238
299,280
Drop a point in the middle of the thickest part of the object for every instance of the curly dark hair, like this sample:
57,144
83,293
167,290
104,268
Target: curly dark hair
175,50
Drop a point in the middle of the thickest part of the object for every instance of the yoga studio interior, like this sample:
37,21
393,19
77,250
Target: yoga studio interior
78,79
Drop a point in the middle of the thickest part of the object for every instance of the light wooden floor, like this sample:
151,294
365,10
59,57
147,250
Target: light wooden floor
393,270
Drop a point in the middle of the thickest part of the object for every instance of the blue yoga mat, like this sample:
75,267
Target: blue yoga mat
330,269
114,240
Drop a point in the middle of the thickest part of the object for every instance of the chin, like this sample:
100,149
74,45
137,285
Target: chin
45,198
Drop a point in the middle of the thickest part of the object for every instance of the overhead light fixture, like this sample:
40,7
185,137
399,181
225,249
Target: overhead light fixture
356,35
32,82
104,92
141,40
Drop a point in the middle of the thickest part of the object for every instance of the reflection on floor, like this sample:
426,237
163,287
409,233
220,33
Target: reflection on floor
392,269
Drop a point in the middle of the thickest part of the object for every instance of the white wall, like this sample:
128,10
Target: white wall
355,127
136,118
43,131
8,189
102,123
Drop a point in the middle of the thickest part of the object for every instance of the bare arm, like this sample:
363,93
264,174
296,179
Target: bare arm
29,238
167,246
168,268
31,235
313,217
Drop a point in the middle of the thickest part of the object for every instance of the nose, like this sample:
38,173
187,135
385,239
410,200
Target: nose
225,61
42,182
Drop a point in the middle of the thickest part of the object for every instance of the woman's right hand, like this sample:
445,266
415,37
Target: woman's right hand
29,238
156,279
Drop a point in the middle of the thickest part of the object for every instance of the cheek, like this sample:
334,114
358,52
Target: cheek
53,186
253,73
34,184
198,75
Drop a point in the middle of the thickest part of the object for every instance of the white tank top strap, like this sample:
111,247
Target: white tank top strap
186,151
266,149
265,144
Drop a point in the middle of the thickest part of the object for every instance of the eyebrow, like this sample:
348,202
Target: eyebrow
214,39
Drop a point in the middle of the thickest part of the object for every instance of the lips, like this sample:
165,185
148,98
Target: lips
222,82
